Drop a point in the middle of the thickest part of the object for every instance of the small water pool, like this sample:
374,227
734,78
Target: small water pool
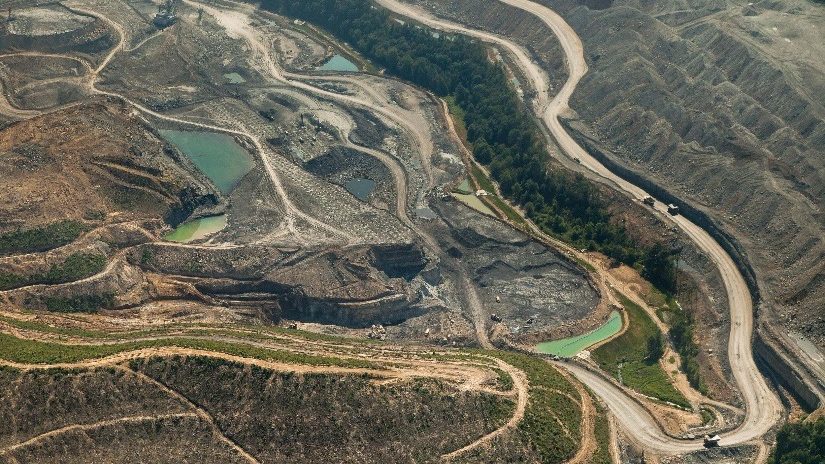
339,63
197,229
568,347
218,156
361,188
234,78
464,187
473,202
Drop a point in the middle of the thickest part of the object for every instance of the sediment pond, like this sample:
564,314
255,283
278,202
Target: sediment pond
361,188
568,347
474,202
218,156
197,229
338,63
223,161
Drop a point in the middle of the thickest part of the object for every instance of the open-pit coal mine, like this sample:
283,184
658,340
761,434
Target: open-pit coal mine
363,231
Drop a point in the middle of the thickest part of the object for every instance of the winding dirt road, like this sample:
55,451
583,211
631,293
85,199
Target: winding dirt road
763,409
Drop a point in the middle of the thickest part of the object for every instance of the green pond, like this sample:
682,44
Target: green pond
339,63
568,347
218,156
197,229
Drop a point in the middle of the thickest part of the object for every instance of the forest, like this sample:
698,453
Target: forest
503,134
802,443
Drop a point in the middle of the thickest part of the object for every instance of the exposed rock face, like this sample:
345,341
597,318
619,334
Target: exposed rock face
341,287
533,288
401,260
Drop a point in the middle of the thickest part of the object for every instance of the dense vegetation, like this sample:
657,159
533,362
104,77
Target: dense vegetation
80,303
42,238
499,128
800,444
633,357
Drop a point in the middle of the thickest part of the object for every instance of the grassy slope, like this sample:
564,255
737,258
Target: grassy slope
625,357
36,352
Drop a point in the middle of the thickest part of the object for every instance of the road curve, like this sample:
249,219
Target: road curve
762,406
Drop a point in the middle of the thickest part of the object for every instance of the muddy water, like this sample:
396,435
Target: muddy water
569,347
473,202
339,63
197,229
218,156
234,78
361,188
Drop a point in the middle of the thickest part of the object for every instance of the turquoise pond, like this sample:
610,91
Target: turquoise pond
568,347
338,63
218,156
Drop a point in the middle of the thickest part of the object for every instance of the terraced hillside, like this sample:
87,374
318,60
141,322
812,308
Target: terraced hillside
256,394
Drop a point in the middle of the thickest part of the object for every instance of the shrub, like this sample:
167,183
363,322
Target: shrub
42,238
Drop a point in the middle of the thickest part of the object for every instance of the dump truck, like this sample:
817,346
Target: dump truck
672,209
712,441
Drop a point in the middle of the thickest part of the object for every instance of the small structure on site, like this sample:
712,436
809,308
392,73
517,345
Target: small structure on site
167,14
712,441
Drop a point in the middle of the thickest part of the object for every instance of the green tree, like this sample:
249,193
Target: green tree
655,348
800,444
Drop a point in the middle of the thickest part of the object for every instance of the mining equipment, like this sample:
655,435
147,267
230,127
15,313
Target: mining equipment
167,14
672,209
649,201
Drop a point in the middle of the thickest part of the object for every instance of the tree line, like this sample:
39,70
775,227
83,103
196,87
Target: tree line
502,133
